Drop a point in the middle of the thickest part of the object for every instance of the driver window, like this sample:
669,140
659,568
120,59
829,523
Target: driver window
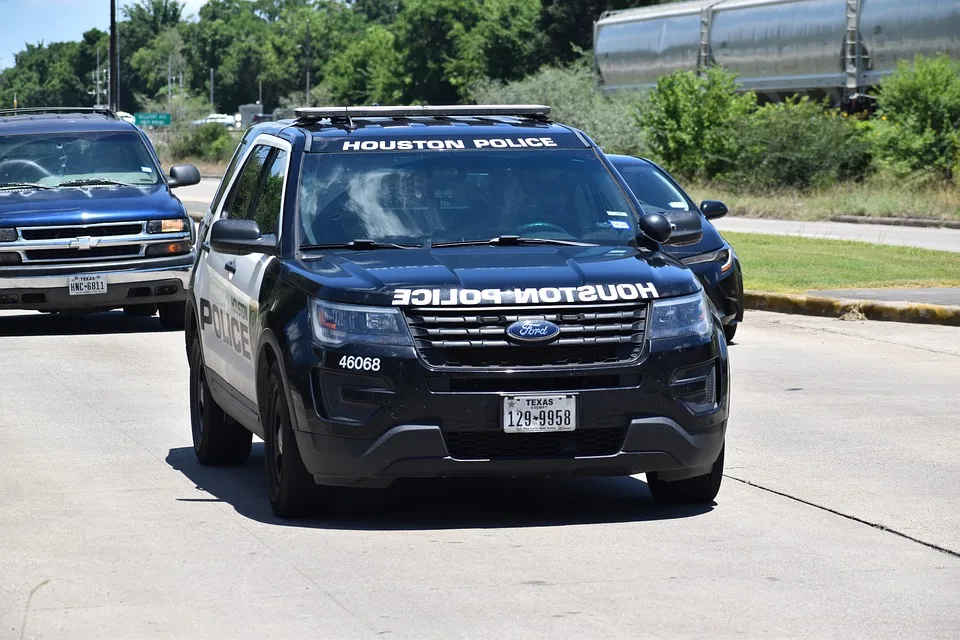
237,205
266,208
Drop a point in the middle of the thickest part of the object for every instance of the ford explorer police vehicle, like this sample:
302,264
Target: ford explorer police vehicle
388,292
87,218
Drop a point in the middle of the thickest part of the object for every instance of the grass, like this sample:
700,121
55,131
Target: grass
880,197
794,265
206,168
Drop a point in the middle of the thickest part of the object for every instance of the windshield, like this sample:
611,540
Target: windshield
51,159
432,197
652,188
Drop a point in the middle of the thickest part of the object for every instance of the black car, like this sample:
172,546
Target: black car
389,292
712,258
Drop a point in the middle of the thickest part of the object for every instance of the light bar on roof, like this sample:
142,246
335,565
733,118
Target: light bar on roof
530,110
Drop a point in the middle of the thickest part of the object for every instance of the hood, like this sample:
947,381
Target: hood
492,275
87,205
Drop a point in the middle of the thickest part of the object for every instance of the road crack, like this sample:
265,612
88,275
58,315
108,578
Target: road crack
26,611
875,525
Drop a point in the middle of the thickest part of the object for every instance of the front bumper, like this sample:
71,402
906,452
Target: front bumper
410,420
130,283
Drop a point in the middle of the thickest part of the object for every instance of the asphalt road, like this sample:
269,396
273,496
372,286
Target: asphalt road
197,199
841,486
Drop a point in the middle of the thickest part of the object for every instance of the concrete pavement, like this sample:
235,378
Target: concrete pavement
110,529
924,238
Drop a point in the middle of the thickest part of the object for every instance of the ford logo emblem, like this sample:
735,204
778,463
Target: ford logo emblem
533,331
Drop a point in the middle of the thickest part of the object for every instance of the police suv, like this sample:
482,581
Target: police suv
387,292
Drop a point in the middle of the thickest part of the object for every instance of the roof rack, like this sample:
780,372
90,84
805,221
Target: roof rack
40,110
531,111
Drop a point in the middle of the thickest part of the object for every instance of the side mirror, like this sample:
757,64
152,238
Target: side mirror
240,237
183,175
713,209
656,227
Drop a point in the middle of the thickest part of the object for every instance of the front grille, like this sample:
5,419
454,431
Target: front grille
482,445
60,233
83,254
608,334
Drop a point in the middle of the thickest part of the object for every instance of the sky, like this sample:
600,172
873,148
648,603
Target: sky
47,21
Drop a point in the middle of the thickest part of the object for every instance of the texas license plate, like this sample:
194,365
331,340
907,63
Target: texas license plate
87,284
539,413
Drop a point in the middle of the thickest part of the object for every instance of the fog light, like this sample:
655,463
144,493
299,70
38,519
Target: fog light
697,387
167,249
5,299
166,226
8,235
9,257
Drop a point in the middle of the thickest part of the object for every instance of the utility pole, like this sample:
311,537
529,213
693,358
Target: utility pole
306,51
260,94
211,90
169,81
99,102
114,59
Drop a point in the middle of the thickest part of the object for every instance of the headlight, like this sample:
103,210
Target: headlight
338,324
176,225
724,257
8,235
685,317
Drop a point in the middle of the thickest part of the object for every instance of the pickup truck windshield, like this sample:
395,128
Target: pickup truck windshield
425,198
93,158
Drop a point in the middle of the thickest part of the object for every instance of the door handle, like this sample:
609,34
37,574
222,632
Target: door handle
231,266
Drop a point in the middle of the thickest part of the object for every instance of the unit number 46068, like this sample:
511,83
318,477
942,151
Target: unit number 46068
356,362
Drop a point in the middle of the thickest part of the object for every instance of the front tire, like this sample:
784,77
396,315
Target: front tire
173,315
730,330
696,490
218,439
292,490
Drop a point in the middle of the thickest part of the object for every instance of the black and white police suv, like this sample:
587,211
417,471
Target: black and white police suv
387,292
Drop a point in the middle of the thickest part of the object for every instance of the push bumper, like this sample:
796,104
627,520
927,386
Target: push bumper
131,284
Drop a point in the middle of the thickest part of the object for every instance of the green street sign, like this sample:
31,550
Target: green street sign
152,119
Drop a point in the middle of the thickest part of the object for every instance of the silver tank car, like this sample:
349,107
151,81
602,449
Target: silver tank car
837,48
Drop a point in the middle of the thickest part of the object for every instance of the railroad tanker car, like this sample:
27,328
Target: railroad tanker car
834,48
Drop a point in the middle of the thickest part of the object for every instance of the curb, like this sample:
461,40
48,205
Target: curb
912,312
898,222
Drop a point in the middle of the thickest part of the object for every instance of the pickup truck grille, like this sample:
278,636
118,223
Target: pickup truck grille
102,231
477,338
87,243
97,253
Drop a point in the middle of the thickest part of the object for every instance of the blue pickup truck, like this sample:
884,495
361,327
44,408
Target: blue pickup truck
88,221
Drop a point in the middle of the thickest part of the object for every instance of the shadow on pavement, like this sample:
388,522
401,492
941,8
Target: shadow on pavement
48,324
439,503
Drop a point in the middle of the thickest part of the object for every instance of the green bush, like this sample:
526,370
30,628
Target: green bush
575,99
691,122
918,118
798,144
210,142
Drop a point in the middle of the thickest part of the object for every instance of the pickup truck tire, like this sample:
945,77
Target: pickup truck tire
292,490
140,310
696,490
218,439
173,315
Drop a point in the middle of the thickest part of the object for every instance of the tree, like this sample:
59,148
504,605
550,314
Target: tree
501,46
430,38
382,12
367,70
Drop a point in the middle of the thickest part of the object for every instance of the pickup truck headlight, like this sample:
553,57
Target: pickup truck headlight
8,235
176,225
338,324
685,317
723,256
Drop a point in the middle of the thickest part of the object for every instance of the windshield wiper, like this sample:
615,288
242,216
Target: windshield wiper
23,185
508,241
93,182
360,244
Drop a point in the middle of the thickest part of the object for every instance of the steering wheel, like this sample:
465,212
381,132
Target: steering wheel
25,164
544,226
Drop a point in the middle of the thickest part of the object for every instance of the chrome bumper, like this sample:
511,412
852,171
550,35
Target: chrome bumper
113,277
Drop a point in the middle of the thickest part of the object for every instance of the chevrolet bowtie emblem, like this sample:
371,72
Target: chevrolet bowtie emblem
85,243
